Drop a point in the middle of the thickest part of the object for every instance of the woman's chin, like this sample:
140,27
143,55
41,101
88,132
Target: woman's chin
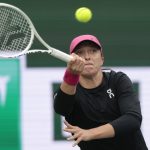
88,72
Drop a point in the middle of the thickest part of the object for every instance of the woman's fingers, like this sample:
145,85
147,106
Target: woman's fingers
76,65
73,137
67,124
78,134
70,130
77,141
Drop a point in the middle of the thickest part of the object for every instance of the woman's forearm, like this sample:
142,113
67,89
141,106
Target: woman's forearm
104,131
67,88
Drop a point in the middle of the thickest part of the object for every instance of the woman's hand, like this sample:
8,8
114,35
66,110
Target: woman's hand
76,65
78,134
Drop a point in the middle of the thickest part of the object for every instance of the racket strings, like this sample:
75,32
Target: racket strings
15,31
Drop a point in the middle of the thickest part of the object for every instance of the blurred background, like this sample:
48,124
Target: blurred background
27,118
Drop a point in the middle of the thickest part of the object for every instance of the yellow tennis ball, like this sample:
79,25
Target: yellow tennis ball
83,14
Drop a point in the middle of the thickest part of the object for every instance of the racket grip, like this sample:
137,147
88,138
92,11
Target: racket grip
61,55
70,78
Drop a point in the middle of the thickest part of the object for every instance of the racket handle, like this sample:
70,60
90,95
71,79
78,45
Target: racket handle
60,55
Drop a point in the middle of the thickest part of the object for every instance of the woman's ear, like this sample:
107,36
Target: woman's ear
102,57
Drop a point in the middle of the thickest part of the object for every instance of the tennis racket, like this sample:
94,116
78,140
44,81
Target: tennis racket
17,33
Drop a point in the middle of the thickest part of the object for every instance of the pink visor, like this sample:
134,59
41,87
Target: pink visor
82,38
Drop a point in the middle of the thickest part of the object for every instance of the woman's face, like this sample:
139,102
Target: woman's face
93,59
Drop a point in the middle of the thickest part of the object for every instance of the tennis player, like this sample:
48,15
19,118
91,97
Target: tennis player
101,109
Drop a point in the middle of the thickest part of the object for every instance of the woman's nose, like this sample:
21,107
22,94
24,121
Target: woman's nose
87,55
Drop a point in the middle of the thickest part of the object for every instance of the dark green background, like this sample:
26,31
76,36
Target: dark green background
123,27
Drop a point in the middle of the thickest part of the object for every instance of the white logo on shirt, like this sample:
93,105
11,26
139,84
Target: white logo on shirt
55,95
111,95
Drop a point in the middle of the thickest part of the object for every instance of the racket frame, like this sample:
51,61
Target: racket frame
52,51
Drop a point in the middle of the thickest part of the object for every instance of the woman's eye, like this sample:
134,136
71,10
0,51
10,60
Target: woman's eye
94,50
78,52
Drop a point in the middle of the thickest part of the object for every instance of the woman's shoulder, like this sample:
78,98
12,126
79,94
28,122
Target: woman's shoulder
115,76
112,73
